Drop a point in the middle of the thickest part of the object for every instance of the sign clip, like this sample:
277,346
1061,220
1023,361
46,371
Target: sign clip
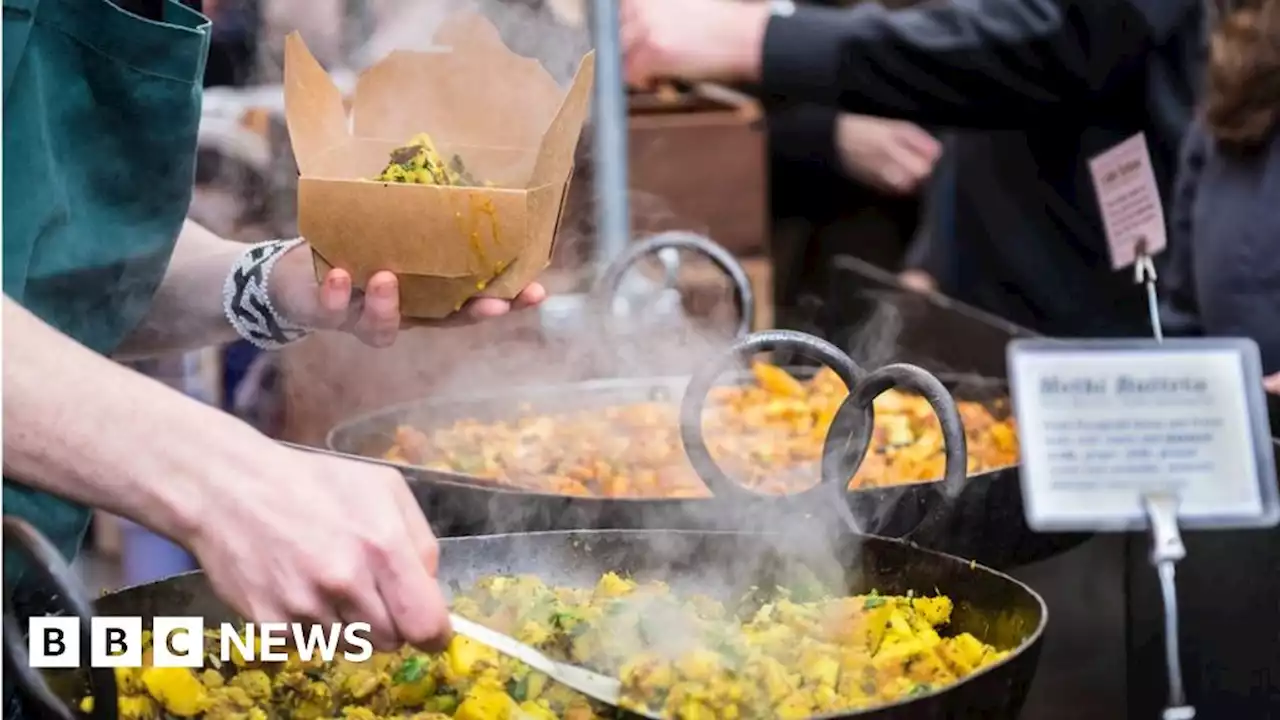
1144,273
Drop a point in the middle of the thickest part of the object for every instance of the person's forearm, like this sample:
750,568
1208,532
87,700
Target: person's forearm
988,64
187,311
85,428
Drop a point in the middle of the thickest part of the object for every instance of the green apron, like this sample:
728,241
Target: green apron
101,110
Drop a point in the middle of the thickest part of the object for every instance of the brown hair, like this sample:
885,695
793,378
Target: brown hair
1242,106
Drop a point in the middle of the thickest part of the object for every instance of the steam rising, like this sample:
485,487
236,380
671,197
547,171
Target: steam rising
333,377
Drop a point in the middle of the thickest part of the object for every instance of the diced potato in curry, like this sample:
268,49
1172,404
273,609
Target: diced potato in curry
687,658
768,435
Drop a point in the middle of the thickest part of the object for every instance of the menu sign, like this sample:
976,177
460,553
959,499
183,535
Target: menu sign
1132,213
1103,424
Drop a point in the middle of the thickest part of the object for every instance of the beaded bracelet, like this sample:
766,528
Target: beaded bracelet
247,302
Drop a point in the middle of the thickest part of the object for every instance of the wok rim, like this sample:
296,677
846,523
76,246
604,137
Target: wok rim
1028,644
419,473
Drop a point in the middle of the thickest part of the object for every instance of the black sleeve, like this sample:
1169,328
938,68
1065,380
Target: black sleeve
1179,307
989,64
804,134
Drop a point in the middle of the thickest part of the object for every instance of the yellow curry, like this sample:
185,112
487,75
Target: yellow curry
685,657
767,434
421,163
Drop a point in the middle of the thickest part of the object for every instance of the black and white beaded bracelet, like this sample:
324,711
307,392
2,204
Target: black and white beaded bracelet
247,302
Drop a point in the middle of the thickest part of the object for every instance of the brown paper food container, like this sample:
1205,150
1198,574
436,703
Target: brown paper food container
503,115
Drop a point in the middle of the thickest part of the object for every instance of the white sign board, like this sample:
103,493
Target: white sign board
1103,423
1132,213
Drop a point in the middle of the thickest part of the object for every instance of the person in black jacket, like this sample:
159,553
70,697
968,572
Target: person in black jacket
839,184
1051,82
854,182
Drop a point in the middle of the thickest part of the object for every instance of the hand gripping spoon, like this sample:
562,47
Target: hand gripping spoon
594,685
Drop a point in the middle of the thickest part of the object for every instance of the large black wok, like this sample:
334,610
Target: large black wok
980,517
994,607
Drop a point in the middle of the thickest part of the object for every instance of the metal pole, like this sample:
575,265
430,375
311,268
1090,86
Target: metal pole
357,29
613,216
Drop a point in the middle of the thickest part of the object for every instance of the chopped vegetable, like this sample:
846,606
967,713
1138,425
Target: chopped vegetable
767,434
688,658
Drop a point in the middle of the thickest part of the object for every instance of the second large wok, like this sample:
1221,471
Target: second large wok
978,517
994,607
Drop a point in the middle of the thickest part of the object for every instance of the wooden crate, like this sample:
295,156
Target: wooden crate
694,165
701,169
704,288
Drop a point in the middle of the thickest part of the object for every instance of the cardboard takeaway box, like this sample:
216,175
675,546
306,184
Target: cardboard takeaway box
508,121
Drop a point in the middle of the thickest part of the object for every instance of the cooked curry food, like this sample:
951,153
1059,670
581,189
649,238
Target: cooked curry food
767,434
420,163
685,657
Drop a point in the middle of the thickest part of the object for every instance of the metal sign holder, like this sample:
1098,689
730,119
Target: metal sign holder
1167,548
1144,273
1145,435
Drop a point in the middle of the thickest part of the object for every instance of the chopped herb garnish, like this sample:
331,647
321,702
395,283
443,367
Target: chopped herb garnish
563,619
411,671
518,689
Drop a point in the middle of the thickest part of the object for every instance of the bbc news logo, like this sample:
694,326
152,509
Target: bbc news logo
55,642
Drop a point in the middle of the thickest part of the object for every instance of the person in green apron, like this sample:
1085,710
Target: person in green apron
101,107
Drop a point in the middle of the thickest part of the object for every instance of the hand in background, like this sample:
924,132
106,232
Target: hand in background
692,40
892,156
1272,383
918,281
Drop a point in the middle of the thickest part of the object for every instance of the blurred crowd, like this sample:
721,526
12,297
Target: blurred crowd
947,141
965,128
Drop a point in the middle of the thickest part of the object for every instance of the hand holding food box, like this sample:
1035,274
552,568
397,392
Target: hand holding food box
451,169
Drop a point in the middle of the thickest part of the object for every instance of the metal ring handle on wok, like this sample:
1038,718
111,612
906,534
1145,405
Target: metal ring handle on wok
47,563
895,511
606,289
850,434
740,353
